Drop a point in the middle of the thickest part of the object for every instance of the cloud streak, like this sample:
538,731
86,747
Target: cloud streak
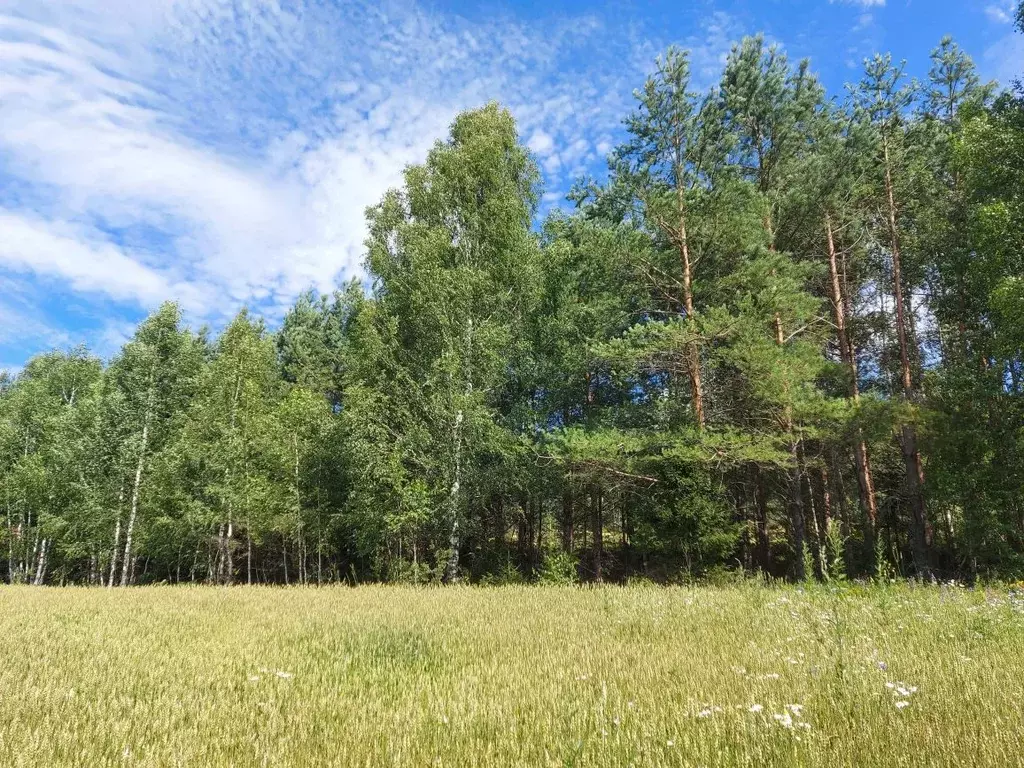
223,153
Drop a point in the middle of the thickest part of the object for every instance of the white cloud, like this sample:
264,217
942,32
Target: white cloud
1004,60
111,337
224,154
861,3
541,143
1001,12
863,22
18,323
67,253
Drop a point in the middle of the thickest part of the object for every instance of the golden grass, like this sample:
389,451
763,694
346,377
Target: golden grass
380,676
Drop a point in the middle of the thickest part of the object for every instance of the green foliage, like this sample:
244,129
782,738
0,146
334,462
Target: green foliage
700,372
558,568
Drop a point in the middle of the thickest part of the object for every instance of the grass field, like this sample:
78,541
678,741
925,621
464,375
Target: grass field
511,676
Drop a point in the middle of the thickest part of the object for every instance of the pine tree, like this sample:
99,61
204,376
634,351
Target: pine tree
882,98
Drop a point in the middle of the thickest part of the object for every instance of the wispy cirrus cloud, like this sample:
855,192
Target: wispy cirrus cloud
223,153
861,3
62,251
1001,12
1004,59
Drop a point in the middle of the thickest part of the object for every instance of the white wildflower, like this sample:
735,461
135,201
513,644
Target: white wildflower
902,704
755,708
704,713
785,719
902,689
796,709
284,675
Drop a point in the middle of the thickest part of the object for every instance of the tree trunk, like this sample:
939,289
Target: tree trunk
745,518
529,520
451,571
540,527
796,514
130,532
692,351
908,442
500,523
216,568
845,518
41,566
567,517
10,537
31,564
865,478
598,522
795,493
763,550
229,571
523,530
812,519
824,508
298,509
113,555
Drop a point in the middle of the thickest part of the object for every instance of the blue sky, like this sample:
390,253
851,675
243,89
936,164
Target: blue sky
222,152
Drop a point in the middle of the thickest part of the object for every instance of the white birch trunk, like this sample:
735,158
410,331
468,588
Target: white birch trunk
137,486
454,538
117,540
10,540
41,565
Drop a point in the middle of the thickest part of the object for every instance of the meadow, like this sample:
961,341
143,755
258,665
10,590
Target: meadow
540,676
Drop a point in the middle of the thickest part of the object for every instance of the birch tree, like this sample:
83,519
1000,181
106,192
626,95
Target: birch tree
225,445
451,254
154,378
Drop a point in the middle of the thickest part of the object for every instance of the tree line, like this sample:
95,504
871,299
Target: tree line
782,336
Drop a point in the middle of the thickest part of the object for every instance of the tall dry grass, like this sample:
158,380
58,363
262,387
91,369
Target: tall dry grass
506,676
